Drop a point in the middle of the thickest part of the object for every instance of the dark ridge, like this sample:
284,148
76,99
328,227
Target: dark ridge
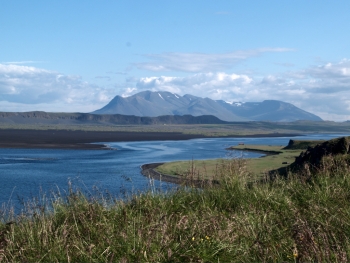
77,118
313,155
301,145
311,160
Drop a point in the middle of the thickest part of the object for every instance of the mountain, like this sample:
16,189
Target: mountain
270,110
153,104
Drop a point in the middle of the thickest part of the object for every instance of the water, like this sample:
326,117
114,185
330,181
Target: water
26,173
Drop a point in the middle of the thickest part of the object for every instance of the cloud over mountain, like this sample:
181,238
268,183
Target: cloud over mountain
214,85
321,89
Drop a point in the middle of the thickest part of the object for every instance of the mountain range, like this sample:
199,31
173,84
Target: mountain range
159,103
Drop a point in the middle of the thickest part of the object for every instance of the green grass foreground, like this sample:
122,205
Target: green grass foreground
299,219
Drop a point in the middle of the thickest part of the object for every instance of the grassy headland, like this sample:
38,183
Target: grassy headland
283,220
275,158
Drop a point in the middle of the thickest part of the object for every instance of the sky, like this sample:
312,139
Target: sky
75,56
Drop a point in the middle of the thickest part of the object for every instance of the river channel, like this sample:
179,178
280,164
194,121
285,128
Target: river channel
28,173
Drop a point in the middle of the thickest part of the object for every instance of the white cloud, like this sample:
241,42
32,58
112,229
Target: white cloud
333,70
30,88
201,62
128,92
322,89
213,85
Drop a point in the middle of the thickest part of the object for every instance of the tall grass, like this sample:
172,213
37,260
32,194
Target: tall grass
301,219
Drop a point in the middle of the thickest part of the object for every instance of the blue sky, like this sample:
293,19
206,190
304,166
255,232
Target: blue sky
75,56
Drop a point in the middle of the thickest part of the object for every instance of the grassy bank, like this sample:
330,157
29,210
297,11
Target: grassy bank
292,220
276,157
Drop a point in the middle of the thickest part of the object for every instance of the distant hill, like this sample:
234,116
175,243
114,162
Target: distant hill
40,117
153,104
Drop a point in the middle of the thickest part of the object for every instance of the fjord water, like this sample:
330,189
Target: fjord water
27,173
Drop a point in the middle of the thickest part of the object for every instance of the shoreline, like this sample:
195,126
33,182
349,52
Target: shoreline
149,171
266,152
88,140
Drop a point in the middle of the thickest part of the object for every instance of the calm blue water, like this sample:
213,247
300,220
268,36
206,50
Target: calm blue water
25,173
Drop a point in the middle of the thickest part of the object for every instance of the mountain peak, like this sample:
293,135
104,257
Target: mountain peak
159,103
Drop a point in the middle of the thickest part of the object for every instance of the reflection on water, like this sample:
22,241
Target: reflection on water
24,172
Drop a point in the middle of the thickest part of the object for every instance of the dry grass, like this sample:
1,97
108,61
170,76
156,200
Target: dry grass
291,220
